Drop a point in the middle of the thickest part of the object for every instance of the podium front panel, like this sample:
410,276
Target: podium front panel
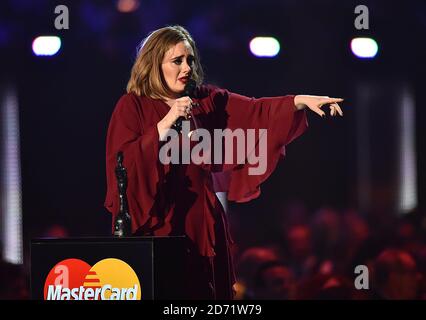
146,268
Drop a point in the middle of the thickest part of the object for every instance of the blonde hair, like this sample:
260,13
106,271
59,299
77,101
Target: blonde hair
146,76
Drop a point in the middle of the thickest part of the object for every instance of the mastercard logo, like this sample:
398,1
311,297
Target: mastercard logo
108,279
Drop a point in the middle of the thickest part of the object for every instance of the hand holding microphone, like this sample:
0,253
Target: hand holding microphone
179,111
188,92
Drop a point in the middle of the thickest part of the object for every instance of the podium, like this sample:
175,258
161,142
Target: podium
147,268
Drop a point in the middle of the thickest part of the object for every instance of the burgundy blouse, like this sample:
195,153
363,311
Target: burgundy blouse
176,199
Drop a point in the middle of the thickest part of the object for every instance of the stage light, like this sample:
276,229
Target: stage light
46,45
364,47
10,177
126,6
408,199
264,47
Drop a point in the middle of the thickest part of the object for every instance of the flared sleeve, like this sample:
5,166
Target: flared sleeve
139,144
283,124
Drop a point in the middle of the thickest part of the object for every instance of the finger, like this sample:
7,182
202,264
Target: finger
332,111
319,112
338,109
181,111
188,111
332,100
184,100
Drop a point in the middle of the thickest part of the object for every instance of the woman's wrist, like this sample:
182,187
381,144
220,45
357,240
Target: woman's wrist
298,102
163,126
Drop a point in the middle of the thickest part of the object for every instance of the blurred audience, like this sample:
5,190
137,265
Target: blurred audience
55,231
395,276
248,265
274,281
316,257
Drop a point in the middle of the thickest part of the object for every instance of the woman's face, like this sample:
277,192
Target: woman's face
177,67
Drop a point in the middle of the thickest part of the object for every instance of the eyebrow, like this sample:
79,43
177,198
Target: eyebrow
181,56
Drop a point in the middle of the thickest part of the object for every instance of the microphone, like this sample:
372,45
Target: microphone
189,91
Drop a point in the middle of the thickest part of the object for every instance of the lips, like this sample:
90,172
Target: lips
183,80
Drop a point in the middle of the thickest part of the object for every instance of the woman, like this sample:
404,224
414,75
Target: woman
179,198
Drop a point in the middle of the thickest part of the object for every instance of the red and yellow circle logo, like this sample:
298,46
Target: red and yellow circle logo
108,279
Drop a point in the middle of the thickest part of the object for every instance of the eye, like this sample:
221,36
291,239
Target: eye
190,60
178,61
